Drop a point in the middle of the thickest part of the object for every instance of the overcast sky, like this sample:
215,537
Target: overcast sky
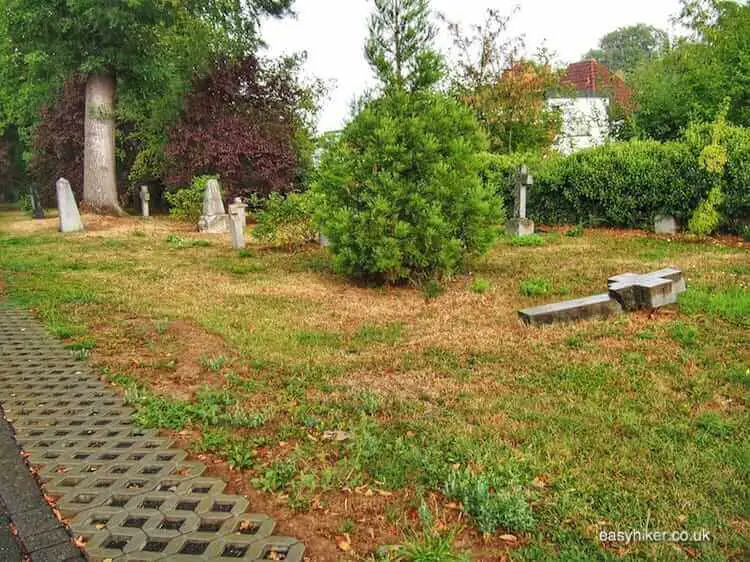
333,33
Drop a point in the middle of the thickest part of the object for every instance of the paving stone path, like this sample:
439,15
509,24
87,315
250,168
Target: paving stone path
125,491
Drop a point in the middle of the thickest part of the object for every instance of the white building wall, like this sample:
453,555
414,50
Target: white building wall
585,122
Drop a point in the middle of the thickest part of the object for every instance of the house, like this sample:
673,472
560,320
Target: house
586,108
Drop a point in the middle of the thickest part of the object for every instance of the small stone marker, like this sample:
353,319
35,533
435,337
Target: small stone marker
519,225
237,223
70,218
653,290
629,291
145,199
665,225
37,211
214,219
323,240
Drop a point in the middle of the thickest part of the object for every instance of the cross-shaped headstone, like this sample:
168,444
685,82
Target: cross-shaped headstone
636,291
524,180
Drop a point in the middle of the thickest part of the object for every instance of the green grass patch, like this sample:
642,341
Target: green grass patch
535,287
728,303
529,240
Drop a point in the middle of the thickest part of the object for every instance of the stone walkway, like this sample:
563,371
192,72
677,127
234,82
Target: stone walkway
125,492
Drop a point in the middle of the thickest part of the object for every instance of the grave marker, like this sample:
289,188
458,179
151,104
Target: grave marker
214,219
237,223
145,199
519,225
70,218
37,211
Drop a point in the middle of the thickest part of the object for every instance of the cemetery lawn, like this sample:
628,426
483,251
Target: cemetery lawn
448,417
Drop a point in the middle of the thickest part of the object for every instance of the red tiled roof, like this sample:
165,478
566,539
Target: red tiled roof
591,77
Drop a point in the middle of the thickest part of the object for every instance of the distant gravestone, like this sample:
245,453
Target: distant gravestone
519,225
145,200
214,219
665,225
237,223
70,218
37,211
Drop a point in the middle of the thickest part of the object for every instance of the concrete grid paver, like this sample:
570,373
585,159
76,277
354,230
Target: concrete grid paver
126,491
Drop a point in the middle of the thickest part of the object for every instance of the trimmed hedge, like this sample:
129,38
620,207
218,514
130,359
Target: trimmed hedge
626,184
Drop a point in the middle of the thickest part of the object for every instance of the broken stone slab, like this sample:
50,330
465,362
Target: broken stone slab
597,306
70,218
636,291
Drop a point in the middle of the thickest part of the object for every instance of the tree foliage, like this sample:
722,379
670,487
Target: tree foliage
628,47
507,94
239,123
399,195
690,82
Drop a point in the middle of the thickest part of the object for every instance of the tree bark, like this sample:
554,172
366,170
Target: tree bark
99,182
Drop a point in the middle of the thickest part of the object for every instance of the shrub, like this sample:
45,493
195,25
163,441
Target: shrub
187,204
285,220
627,184
399,196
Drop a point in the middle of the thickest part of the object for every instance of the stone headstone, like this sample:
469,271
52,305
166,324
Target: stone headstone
145,199
214,219
665,225
519,224
237,223
37,211
70,218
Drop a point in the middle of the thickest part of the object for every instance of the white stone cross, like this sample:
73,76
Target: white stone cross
524,180
635,291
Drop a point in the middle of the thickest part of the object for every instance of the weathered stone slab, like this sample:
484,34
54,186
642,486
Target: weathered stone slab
70,218
636,291
665,225
237,223
145,199
214,219
519,227
597,306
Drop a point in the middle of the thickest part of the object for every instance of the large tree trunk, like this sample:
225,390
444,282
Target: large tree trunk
99,184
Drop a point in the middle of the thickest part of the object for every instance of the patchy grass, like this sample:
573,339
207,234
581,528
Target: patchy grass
356,405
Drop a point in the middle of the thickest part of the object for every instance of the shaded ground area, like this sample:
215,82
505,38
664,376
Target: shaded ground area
28,527
453,419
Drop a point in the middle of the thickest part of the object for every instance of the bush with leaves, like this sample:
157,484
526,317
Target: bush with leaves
187,204
399,195
285,220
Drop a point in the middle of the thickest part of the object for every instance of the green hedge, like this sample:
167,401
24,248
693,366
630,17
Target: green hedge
626,184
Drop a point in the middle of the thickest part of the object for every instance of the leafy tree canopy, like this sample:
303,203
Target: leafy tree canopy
627,47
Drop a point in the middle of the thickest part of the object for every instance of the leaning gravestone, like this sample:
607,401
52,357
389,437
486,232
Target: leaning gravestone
70,218
214,219
519,225
37,210
237,223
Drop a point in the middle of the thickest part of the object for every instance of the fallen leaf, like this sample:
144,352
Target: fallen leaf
509,538
344,543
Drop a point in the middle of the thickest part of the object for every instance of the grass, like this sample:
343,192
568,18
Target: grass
550,434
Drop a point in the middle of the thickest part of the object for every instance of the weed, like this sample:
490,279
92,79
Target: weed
575,232
239,455
87,343
430,547
370,334
213,363
432,289
535,287
161,325
212,441
80,354
492,502
529,240
347,526
685,334
574,342
276,476
480,286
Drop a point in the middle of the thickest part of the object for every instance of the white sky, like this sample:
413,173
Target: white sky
333,32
